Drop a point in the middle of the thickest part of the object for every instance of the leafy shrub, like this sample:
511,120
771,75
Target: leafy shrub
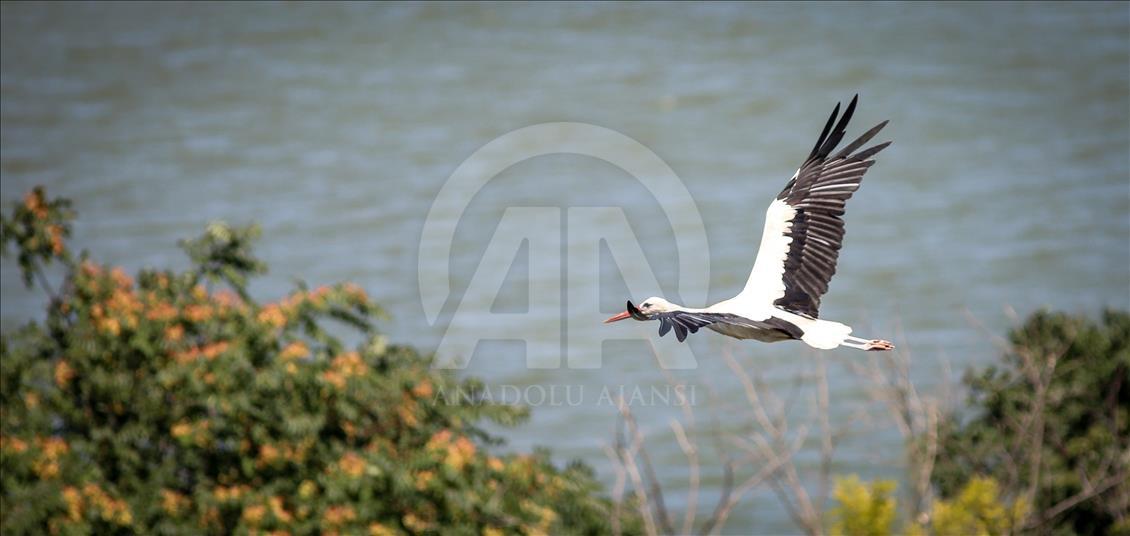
863,510
978,508
175,403
1051,424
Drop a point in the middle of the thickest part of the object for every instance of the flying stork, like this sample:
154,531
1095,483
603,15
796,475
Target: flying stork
803,233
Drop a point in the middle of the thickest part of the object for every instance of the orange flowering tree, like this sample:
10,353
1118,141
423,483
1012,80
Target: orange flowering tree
173,402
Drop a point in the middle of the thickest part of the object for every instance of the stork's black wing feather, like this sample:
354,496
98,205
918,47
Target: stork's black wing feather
684,323
818,193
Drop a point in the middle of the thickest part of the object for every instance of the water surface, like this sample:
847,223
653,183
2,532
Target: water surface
334,126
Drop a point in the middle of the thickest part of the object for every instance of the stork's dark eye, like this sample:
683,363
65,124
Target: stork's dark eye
645,304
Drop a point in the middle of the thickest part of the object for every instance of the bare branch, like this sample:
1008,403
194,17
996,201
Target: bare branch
627,457
1070,502
691,452
617,489
827,440
764,473
751,395
637,449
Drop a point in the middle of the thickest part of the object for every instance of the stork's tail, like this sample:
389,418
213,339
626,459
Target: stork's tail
825,335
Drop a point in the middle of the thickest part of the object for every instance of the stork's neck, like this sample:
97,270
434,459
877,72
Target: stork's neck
655,304
680,308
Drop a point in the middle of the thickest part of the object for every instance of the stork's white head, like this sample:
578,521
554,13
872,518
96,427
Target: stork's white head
646,311
655,305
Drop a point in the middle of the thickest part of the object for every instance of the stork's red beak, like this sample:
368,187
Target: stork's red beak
618,317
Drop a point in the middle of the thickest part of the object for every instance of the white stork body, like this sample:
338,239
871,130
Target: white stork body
796,260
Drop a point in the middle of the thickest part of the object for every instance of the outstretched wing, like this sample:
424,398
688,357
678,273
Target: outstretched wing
682,323
686,322
804,229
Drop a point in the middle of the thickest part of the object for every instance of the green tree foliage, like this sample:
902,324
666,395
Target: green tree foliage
977,509
172,402
1051,424
863,510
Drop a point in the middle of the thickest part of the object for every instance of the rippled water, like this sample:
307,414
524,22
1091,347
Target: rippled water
334,126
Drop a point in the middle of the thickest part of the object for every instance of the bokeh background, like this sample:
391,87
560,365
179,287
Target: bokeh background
334,126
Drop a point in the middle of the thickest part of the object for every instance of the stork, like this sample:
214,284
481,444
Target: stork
801,241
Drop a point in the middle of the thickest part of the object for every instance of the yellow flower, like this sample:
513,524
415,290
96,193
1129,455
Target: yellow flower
414,523
460,453
423,478
56,234
210,351
355,291
253,514
268,454
335,378
546,516
174,333
187,356
161,312
294,350
121,279
439,440
337,515
351,464
74,501
422,389
46,468
33,201
198,313
345,366
407,413
173,502
377,529
272,315
227,299
278,510
111,509
181,429
233,493
124,301
111,326
53,447
297,452
317,297
118,512
90,268
14,444
307,489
